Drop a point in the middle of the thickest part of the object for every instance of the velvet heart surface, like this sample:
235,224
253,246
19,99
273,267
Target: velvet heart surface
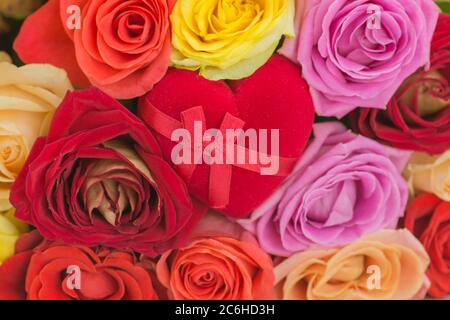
274,97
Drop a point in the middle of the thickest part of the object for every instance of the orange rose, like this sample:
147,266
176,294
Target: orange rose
389,264
217,267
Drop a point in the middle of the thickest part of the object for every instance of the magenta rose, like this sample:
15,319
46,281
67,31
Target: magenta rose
344,186
98,178
357,53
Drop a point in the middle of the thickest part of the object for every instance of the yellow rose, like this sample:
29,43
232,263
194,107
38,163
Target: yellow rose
388,264
228,39
29,96
429,173
10,229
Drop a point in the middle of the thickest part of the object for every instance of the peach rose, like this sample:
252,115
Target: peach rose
222,262
388,264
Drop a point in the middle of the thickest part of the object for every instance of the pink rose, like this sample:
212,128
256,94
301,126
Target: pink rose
357,53
344,186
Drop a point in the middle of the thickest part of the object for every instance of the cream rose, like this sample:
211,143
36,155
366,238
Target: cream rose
388,264
228,39
430,174
29,96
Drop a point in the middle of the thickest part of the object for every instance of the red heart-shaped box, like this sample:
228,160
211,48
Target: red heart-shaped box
274,97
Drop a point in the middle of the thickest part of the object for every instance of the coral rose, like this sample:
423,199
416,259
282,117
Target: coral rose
222,262
46,270
122,47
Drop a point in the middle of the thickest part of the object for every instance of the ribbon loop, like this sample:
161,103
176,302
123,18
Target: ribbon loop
220,174
193,120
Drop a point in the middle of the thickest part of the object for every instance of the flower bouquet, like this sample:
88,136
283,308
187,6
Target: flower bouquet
224,150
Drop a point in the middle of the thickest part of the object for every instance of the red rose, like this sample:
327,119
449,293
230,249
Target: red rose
122,47
418,116
45,270
98,178
428,217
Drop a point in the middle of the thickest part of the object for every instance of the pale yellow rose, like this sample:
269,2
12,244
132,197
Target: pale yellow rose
29,96
228,39
389,264
427,173
10,229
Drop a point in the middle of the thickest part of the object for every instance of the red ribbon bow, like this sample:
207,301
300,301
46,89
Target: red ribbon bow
220,174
